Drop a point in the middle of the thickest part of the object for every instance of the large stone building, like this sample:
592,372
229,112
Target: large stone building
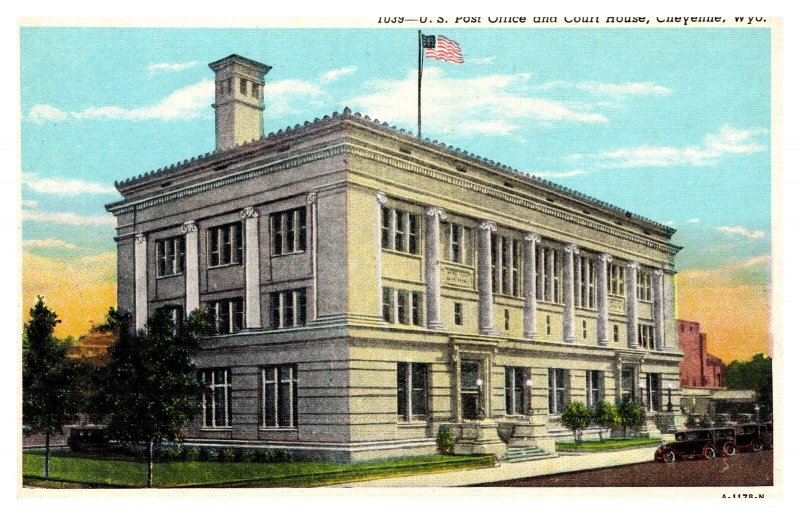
369,286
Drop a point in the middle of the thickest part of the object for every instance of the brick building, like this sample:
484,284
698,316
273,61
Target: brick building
698,368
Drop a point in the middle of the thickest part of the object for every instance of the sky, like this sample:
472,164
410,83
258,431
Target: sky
672,124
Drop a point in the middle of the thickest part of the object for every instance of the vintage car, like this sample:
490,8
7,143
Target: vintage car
692,443
88,438
754,437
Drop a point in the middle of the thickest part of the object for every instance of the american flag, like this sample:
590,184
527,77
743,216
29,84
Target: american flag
445,50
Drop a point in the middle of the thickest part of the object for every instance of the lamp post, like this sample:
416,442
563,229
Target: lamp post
757,410
529,384
669,396
481,413
643,387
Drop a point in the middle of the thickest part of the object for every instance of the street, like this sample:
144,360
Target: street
743,469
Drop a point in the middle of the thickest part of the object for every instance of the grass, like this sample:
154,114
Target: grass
606,445
71,470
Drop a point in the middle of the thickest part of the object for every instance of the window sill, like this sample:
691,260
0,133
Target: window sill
412,423
227,265
293,253
168,276
278,429
402,253
219,429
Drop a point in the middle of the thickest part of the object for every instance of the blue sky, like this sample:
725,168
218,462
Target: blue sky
673,124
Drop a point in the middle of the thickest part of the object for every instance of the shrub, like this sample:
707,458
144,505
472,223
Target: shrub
605,414
168,454
630,415
227,455
247,455
444,440
191,453
261,456
576,417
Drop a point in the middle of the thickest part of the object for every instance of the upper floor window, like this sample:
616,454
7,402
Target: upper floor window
216,397
584,283
646,337
288,308
288,231
458,238
227,315
225,244
243,86
548,270
174,314
616,279
402,306
399,230
170,256
644,286
256,92
505,265
458,313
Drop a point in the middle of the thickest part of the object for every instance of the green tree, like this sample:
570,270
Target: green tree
49,400
576,417
605,414
630,415
150,386
755,374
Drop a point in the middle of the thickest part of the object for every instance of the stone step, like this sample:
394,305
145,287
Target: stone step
517,454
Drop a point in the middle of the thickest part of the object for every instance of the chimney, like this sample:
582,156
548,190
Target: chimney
239,100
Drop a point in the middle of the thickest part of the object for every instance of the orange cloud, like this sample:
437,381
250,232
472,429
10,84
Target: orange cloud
79,290
734,316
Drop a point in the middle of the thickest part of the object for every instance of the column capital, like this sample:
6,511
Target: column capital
488,225
633,265
187,227
657,272
140,238
436,211
532,236
605,257
311,198
248,212
381,196
571,248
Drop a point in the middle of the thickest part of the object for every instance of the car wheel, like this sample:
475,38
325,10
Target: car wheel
758,446
709,453
669,456
729,449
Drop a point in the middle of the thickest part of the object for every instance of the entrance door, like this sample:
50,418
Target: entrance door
470,373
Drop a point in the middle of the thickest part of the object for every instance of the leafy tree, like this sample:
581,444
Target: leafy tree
576,417
48,394
605,414
755,374
630,415
150,387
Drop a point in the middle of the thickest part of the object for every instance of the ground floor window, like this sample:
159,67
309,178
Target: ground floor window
227,315
412,391
279,396
593,378
216,397
515,390
471,385
556,389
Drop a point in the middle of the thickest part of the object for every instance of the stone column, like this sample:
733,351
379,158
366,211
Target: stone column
632,305
252,274
540,272
432,273
601,288
529,285
576,278
140,280
658,307
569,292
587,302
670,326
192,267
485,295
552,285
311,200
381,200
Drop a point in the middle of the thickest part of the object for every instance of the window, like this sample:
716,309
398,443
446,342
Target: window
515,390
548,266
227,315
225,244
556,389
644,286
457,237
412,391
547,322
583,326
399,230
288,231
243,86
506,319
471,395
646,336
287,308
593,378
616,333
616,280
653,382
505,265
170,256
175,315
229,85
584,283
458,313
626,384
279,396
255,92
402,306
216,397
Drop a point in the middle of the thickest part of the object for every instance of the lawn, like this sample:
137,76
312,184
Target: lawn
606,445
68,469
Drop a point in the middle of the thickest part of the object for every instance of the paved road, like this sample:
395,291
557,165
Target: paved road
744,469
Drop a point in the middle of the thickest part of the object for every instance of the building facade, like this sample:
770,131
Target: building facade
699,368
369,287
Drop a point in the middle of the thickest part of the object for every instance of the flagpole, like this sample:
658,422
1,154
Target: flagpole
419,85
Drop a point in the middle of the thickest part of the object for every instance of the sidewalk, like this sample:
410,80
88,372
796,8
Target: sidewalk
561,464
